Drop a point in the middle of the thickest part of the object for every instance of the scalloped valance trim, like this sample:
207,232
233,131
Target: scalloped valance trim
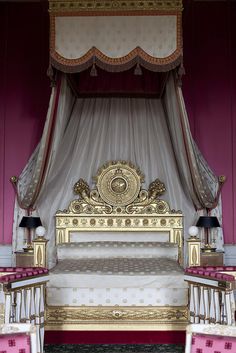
136,57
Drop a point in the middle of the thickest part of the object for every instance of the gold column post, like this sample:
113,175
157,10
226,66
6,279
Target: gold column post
194,251
40,255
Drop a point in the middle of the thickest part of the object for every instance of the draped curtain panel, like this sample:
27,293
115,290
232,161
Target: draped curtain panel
198,180
115,35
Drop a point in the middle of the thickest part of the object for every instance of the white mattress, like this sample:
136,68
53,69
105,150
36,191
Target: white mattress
117,281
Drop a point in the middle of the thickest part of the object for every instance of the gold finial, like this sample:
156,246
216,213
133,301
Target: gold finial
14,179
222,179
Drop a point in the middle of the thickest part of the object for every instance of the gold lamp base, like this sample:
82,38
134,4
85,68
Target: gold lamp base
208,248
29,248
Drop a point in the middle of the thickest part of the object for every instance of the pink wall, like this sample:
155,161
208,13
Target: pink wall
24,92
210,92
209,88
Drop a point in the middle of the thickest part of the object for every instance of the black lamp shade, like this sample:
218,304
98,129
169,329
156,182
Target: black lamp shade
208,222
30,222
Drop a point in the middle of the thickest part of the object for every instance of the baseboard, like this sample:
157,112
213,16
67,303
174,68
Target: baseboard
5,255
230,255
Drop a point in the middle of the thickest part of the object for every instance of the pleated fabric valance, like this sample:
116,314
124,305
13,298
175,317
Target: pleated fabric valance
115,35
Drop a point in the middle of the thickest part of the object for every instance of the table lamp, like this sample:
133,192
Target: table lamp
30,223
207,222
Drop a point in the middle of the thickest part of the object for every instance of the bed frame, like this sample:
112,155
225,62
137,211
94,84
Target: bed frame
118,203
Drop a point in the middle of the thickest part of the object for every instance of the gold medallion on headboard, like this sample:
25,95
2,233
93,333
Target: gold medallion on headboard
119,183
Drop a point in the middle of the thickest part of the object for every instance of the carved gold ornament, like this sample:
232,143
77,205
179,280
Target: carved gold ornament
114,5
67,315
118,191
119,183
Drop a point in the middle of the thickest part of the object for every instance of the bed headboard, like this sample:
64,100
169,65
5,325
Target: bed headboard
119,204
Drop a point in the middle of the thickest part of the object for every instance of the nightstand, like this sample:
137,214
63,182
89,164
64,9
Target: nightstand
24,259
35,258
212,258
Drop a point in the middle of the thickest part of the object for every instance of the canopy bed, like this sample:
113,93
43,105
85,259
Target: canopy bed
115,68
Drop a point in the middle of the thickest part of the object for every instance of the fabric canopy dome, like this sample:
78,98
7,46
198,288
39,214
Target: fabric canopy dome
115,35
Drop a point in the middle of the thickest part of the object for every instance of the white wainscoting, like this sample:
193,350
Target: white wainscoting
230,255
5,255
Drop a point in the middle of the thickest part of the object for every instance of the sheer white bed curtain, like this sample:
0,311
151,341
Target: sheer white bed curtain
81,134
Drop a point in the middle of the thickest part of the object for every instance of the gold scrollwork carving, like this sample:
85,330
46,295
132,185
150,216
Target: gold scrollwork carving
118,185
156,188
117,314
81,188
72,315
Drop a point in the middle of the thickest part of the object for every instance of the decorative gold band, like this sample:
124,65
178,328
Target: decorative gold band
114,5
116,317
